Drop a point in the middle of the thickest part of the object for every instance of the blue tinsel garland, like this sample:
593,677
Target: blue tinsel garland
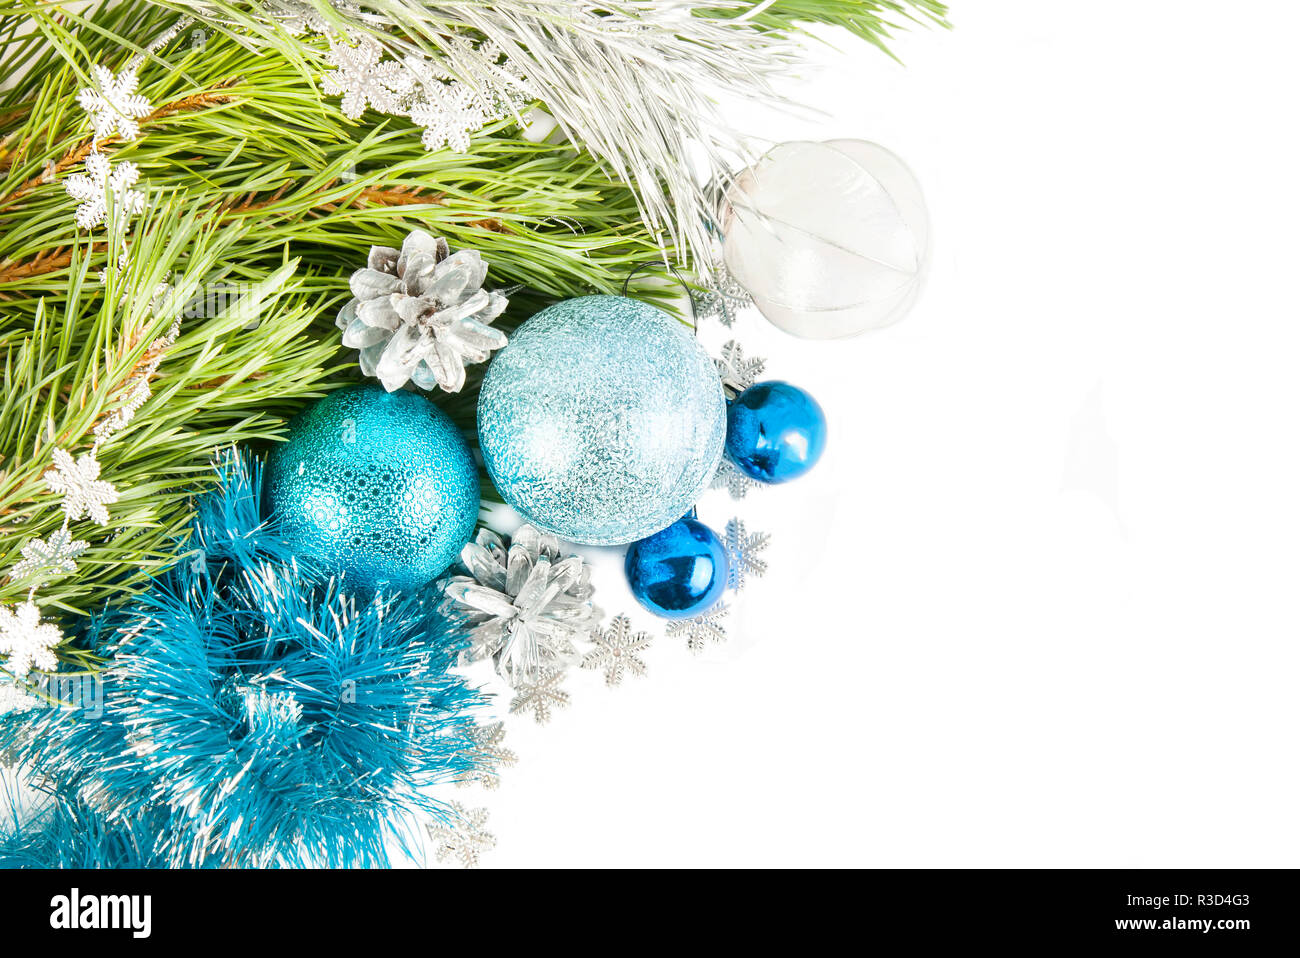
252,716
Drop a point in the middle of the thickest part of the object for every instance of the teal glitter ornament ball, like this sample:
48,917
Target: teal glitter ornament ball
379,487
603,420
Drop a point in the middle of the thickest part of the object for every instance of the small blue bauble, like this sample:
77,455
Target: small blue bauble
378,486
775,432
680,572
603,420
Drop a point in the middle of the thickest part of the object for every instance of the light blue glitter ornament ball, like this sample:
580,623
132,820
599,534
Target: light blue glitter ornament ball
378,486
603,420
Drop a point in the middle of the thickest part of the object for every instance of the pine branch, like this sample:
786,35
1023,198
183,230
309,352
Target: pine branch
630,80
248,172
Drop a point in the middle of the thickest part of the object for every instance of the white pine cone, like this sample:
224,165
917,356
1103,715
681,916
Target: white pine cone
421,314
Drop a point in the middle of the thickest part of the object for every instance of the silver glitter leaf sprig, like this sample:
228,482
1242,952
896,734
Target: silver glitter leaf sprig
299,16
420,314
616,651
743,549
525,605
466,839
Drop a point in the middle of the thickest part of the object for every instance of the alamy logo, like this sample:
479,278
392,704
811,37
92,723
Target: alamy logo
133,912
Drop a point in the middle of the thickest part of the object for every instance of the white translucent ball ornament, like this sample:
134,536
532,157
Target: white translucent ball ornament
830,239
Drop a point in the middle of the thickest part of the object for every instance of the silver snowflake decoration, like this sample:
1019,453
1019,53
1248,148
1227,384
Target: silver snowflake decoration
14,698
113,103
466,839
84,493
449,114
722,298
421,314
702,629
361,77
53,555
27,641
93,189
730,477
743,549
490,755
451,110
540,696
737,372
525,605
616,650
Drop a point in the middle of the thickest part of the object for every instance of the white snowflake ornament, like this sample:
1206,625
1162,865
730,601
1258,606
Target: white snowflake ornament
14,698
733,480
616,651
743,549
102,181
114,105
53,555
449,115
363,77
702,629
84,493
490,755
540,696
737,372
467,839
26,640
451,110
722,298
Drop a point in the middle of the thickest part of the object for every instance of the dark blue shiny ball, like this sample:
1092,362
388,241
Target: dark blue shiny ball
775,432
680,572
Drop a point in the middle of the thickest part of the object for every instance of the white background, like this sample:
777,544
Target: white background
1037,605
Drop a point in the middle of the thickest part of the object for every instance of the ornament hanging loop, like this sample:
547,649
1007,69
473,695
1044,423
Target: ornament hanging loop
690,295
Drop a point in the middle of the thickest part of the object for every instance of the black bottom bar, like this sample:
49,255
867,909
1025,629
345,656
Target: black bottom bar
1233,911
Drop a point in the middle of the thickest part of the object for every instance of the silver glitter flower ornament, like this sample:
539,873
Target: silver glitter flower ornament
525,605
420,314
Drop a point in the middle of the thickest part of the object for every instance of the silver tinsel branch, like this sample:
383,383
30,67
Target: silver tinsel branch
635,82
